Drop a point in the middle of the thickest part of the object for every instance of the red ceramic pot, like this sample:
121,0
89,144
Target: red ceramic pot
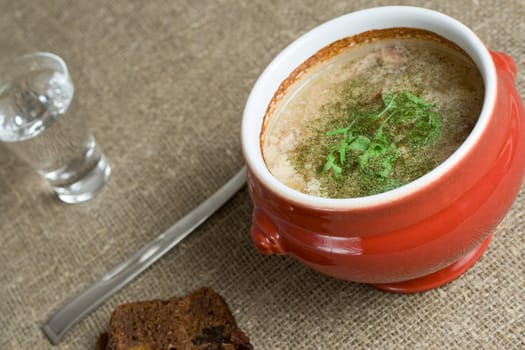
423,234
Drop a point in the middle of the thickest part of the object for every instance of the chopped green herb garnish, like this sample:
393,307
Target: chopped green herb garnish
365,142
376,149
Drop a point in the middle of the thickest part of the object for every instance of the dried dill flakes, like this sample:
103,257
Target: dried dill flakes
358,148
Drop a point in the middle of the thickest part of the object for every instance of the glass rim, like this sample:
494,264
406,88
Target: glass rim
12,66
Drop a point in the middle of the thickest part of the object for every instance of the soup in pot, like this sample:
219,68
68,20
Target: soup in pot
370,113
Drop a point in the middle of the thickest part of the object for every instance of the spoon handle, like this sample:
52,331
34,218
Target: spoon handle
89,299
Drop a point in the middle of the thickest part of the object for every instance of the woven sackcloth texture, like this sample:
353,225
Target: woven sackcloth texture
163,85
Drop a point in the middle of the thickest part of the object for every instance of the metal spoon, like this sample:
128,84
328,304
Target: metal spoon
89,299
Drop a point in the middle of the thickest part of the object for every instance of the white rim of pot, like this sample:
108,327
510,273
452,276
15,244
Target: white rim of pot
347,25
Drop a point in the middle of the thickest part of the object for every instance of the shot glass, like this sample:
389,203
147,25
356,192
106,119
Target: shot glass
39,124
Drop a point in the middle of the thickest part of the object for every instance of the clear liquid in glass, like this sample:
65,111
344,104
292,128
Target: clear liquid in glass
38,124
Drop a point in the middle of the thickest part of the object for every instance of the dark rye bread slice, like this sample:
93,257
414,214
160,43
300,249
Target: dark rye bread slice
201,320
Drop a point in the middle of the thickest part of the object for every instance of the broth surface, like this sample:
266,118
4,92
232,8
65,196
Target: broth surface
330,94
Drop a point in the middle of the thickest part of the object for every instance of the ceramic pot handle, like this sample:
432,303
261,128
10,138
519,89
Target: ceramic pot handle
265,234
505,62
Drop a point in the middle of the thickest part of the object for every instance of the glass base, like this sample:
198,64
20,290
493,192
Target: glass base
438,278
85,188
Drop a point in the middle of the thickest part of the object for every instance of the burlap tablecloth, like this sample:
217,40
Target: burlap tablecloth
163,84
